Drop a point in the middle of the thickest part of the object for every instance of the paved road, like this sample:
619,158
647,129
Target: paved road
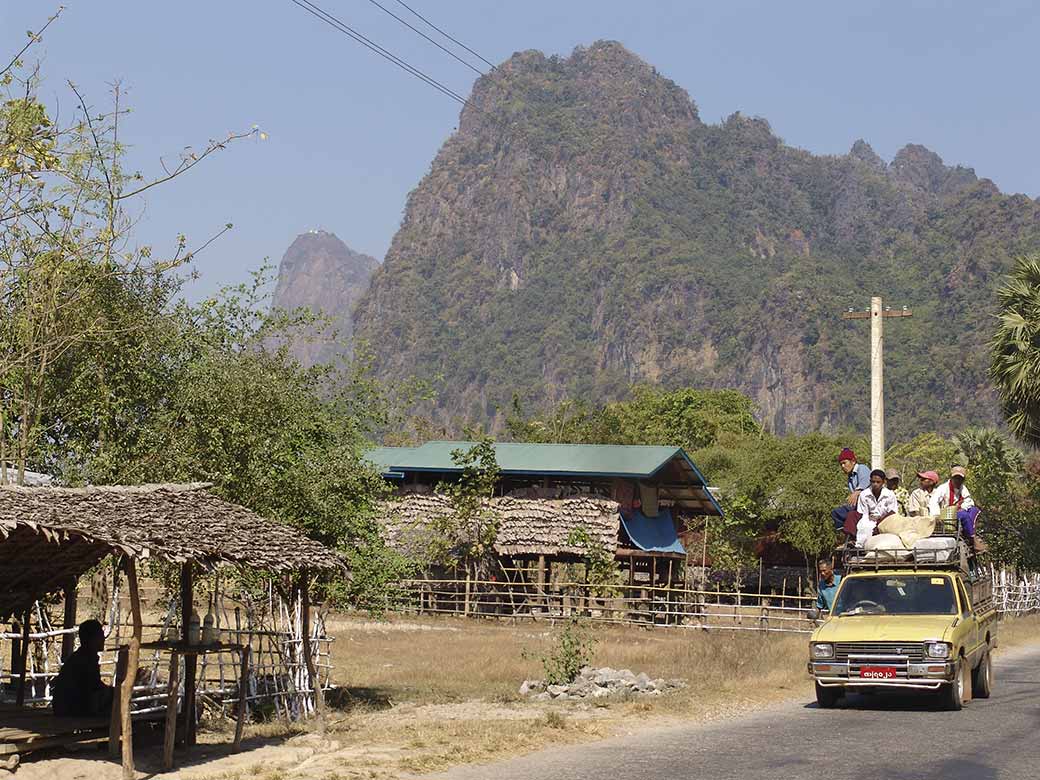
872,738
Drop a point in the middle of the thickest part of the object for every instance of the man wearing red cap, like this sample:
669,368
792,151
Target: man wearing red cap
917,506
858,480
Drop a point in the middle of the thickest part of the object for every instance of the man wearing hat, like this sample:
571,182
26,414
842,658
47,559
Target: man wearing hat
954,492
858,480
894,483
917,506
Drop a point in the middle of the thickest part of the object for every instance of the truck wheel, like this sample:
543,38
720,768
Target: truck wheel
826,697
951,695
982,678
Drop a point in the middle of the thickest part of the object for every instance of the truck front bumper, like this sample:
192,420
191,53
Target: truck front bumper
926,676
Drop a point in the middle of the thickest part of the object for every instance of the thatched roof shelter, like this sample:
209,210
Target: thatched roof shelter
51,535
48,534
527,526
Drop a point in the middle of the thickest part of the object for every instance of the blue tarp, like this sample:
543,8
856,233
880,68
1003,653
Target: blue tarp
653,534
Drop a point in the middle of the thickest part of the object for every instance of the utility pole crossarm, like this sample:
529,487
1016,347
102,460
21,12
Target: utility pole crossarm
865,315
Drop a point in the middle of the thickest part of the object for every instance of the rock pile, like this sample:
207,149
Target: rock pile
599,684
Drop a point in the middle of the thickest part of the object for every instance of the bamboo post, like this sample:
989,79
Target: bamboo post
16,645
190,661
133,657
115,723
243,707
315,681
542,590
170,731
704,554
23,658
68,641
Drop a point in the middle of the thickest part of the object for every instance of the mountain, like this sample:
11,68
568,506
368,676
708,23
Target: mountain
584,230
320,272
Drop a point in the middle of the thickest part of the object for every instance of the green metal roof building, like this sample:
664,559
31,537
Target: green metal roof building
669,470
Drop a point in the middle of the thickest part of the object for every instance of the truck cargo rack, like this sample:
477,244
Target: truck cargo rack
958,558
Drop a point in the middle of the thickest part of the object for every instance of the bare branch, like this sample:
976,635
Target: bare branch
34,38
188,162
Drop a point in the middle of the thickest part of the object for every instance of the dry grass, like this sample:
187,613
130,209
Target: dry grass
1019,631
453,685
438,660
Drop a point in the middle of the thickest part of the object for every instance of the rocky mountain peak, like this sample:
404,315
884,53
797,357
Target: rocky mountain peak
922,169
865,153
585,231
321,273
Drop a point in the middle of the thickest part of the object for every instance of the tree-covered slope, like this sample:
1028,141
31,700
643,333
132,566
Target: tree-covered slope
584,230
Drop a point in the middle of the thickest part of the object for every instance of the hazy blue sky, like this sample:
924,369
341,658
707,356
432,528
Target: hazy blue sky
350,135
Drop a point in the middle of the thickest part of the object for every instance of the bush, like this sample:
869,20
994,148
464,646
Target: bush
571,650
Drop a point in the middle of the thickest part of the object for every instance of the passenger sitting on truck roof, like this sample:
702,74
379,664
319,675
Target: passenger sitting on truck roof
955,493
858,480
894,482
874,505
828,586
917,506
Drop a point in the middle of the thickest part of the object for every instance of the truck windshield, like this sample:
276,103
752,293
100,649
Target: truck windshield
896,595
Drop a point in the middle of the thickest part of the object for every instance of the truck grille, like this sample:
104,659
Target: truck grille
865,653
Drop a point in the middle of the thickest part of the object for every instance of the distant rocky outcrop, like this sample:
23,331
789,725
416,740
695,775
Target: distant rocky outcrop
584,230
321,273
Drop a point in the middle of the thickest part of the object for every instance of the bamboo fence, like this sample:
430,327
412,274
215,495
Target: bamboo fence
278,683
784,610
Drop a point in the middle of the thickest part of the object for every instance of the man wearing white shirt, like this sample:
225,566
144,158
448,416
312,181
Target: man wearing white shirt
874,505
955,493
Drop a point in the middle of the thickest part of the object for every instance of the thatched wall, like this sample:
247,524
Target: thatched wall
526,526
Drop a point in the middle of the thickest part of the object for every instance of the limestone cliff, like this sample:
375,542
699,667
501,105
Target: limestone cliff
321,273
584,230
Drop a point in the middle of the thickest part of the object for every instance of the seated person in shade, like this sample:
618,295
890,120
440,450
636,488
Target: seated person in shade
78,690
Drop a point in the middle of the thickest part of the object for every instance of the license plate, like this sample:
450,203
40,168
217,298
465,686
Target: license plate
877,672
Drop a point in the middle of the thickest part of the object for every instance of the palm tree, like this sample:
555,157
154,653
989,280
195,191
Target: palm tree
1015,350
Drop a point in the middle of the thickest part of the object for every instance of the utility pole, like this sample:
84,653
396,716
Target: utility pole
877,315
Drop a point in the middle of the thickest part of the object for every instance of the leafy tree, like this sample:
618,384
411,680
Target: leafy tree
685,418
1015,350
66,254
106,376
925,452
466,536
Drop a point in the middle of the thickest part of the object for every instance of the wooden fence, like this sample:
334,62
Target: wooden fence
644,605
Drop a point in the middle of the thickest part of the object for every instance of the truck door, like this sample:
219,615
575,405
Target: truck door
968,617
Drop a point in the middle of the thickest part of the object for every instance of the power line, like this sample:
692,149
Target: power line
453,40
342,27
417,31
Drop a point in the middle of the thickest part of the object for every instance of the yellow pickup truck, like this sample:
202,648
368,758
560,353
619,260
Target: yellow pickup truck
907,626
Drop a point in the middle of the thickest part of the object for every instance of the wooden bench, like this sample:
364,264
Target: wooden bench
23,730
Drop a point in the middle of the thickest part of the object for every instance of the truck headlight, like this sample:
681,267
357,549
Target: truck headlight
822,650
937,649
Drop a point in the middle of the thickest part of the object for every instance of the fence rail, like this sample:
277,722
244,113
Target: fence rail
644,605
